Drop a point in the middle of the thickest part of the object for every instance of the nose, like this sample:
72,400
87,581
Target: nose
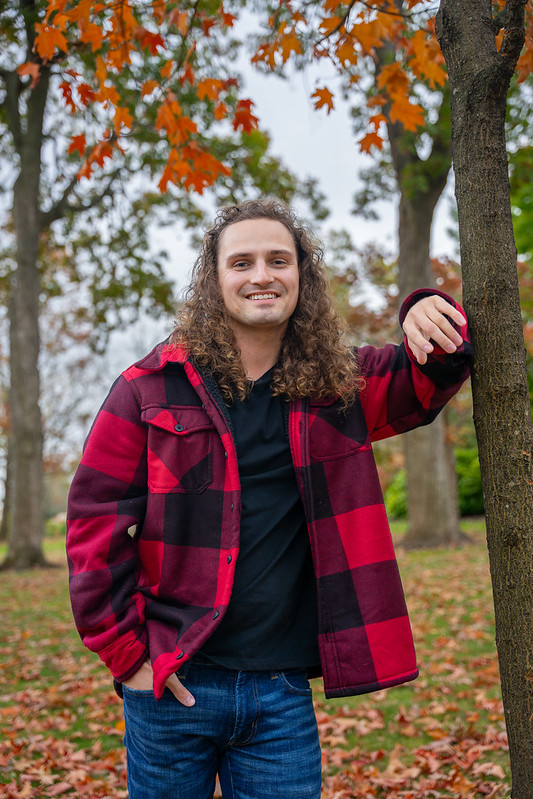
261,274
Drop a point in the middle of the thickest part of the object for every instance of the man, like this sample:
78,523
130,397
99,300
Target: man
226,534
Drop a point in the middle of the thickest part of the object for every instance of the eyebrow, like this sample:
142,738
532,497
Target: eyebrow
237,255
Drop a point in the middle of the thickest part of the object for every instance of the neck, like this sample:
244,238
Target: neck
258,353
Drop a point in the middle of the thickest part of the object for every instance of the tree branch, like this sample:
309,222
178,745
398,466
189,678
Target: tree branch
62,207
511,19
13,87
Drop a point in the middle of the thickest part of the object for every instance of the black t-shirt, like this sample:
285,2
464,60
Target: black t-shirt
271,620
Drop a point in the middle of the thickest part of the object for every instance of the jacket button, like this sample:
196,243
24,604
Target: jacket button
216,614
229,559
179,657
178,428
225,454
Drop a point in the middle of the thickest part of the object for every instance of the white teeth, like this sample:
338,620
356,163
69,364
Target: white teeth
262,296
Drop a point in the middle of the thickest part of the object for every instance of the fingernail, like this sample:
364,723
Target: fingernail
189,700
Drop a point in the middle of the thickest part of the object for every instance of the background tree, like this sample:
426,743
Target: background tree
126,97
482,43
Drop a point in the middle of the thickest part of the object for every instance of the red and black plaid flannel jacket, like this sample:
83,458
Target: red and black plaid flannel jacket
153,520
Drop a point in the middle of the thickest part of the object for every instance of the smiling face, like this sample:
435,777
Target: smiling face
258,274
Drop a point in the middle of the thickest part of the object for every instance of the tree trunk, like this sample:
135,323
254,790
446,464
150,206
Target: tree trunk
479,79
26,483
432,512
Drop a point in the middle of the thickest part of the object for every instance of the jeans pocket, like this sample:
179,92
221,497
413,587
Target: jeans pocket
139,692
295,681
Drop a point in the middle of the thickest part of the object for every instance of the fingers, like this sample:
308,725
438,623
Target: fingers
143,679
180,692
427,320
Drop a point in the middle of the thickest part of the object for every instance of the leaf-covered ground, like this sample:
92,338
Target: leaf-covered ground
443,735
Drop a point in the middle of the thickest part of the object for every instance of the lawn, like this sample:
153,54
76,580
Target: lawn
440,736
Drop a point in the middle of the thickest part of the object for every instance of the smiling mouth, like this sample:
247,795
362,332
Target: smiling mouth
269,296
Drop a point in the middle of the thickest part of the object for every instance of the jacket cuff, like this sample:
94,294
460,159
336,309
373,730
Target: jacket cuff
465,349
125,656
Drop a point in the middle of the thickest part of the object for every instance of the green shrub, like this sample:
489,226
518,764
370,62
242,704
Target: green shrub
469,482
396,496
468,486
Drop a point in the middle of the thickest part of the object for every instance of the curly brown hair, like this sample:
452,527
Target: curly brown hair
314,359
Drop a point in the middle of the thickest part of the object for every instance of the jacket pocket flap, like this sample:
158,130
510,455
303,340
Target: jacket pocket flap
179,421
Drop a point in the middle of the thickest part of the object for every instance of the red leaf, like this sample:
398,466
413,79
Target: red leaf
243,119
77,144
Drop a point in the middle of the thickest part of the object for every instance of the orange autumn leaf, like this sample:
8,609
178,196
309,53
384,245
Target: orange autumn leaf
376,120
266,53
290,43
100,152
48,40
180,19
77,144
107,95
167,69
370,140
148,87
411,115
205,168
525,64
346,52
177,127
100,72
393,80
176,169
330,24
78,11
427,61
324,98
150,41
371,34
54,7
31,69
209,88
221,111
122,117
159,9
188,74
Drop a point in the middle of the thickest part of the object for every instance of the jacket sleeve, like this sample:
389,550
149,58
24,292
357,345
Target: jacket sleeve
398,393
107,503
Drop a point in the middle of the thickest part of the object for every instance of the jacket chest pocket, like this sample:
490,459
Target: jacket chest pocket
334,437
180,449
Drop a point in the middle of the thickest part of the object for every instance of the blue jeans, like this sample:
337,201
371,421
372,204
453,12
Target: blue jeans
257,730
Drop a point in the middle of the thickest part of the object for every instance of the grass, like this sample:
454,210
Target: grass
442,735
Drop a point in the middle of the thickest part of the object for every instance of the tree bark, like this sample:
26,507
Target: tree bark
432,511
26,479
479,77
